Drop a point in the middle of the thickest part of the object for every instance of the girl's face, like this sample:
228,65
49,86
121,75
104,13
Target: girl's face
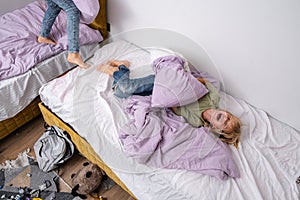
222,120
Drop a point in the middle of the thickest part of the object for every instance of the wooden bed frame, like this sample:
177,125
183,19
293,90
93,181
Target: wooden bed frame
32,110
81,144
10,125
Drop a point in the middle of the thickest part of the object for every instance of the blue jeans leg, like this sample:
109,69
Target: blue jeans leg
50,15
125,86
73,19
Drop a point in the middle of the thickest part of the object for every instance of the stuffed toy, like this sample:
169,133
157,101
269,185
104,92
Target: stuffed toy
86,180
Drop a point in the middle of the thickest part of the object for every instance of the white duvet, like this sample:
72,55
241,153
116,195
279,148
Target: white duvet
268,155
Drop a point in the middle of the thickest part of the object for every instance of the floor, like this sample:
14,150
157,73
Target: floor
25,137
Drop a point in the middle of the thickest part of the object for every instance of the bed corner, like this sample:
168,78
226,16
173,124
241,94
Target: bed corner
81,144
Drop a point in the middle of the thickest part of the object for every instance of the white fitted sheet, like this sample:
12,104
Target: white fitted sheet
268,156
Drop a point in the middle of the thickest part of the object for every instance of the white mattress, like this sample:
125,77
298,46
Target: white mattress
268,156
17,92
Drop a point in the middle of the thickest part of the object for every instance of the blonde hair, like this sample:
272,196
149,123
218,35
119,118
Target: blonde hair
232,137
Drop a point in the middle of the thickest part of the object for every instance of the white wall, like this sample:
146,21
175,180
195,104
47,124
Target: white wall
10,5
255,44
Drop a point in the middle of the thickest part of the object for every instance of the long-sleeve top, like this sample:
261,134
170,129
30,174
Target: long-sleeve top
192,113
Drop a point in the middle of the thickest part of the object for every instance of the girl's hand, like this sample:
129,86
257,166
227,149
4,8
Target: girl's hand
174,109
202,80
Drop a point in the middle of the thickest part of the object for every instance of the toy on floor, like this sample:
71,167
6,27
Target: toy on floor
86,180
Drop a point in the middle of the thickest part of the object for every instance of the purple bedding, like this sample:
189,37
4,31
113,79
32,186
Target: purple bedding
158,137
19,50
174,83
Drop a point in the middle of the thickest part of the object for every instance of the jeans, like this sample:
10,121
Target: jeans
73,18
125,86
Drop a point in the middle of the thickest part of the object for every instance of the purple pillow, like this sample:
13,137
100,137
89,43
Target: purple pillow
173,86
89,10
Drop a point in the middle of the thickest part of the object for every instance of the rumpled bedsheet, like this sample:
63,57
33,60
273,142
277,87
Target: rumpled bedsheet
19,49
158,137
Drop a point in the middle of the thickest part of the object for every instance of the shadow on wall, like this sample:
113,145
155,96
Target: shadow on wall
12,5
153,37
123,10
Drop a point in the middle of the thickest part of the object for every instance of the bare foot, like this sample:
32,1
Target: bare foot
108,69
116,63
45,40
76,59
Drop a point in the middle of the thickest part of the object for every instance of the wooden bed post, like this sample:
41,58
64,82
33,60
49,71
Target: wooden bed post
100,23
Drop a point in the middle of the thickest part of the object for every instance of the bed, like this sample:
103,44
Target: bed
25,64
83,104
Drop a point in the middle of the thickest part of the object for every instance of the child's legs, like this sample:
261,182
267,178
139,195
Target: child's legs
73,19
50,15
126,87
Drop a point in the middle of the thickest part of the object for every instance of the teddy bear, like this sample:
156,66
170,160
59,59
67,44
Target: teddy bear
86,180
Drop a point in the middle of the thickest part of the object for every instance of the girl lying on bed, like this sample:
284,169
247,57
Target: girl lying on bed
203,112
159,137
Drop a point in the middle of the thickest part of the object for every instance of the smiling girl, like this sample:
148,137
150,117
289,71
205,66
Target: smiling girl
205,112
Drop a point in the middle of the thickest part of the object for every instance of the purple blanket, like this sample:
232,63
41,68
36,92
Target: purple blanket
156,136
159,138
19,49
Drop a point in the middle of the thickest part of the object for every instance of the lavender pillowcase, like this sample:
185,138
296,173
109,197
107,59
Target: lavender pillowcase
89,10
173,86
